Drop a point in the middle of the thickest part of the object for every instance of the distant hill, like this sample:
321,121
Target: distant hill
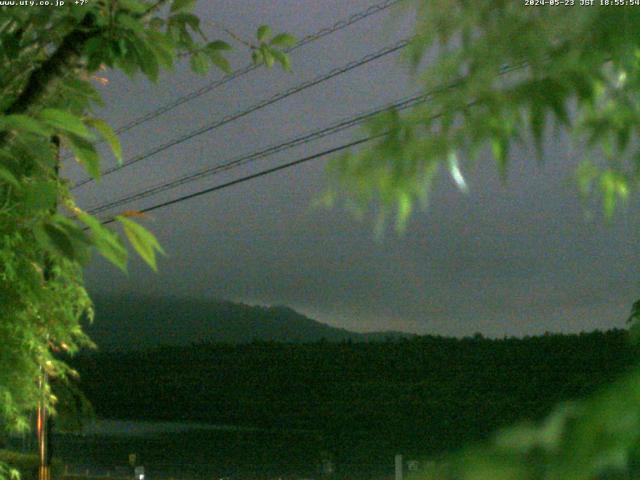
140,322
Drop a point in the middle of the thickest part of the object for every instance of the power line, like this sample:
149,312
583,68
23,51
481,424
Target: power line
340,25
334,128
245,159
257,175
258,106
400,105
374,9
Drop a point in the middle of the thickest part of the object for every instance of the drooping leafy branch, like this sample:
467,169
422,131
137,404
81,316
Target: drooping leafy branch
574,67
505,73
48,62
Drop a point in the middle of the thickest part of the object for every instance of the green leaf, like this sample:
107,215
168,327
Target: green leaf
623,136
220,62
182,6
613,187
62,236
536,118
40,195
198,62
268,58
25,123
53,240
8,177
135,6
499,148
65,121
263,32
213,50
556,100
162,46
186,19
130,23
216,46
405,206
143,241
147,60
586,173
107,242
283,59
130,63
86,154
119,48
105,130
283,40
257,57
608,195
94,49
82,90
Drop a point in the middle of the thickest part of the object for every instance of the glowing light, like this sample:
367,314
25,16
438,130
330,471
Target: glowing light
456,174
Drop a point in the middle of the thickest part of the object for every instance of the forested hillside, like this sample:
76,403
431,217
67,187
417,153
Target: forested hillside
138,322
424,395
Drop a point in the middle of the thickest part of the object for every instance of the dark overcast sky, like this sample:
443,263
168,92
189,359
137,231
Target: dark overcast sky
510,259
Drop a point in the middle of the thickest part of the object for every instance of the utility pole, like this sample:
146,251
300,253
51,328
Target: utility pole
42,417
44,472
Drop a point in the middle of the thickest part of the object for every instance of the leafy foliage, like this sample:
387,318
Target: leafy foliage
49,59
268,49
25,466
501,73
142,240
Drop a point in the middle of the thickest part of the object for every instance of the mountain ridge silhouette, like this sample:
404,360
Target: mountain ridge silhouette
134,322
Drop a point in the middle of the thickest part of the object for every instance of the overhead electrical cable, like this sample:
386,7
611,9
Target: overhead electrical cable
267,171
356,17
271,150
262,173
334,128
258,106
340,25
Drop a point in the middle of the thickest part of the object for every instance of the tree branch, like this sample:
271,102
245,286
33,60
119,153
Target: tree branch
232,34
43,77
69,50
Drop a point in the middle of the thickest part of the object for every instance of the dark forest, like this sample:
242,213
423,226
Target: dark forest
423,395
